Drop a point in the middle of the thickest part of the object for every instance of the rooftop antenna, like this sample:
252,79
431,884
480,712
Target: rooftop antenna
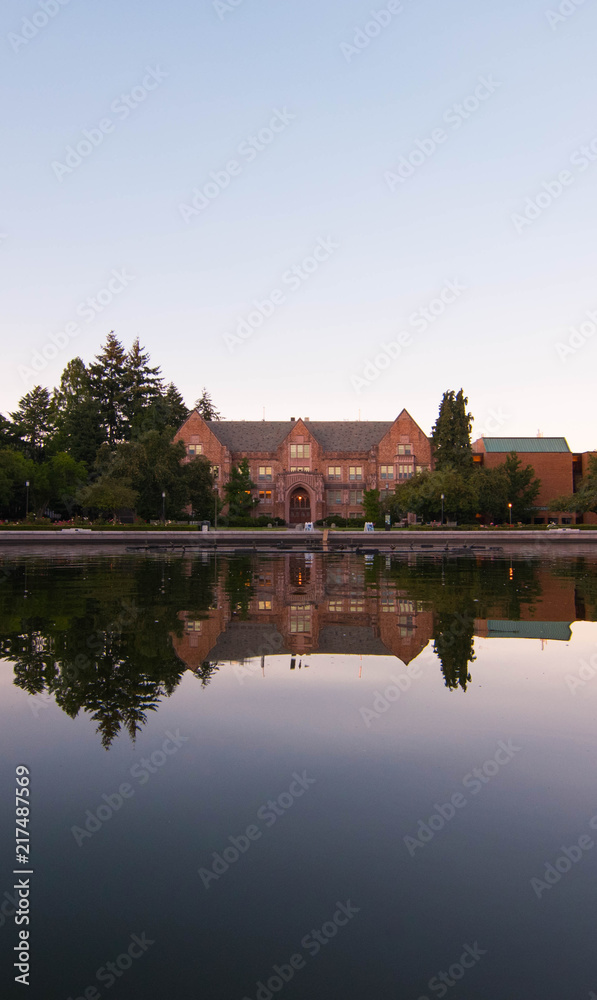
359,414
539,433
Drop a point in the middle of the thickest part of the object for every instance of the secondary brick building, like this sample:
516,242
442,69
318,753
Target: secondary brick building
551,459
307,470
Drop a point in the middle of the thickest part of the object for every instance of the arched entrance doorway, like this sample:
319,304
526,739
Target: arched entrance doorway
300,505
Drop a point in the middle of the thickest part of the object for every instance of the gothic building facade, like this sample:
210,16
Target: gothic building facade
307,470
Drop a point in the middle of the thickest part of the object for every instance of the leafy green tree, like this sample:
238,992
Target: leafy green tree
421,495
108,495
238,491
199,482
584,501
15,471
451,434
493,493
522,485
372,506
56,484
206,407
34,422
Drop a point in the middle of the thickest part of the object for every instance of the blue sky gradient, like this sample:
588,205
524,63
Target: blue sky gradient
325,176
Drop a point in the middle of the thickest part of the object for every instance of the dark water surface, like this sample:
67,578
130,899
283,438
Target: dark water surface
377,775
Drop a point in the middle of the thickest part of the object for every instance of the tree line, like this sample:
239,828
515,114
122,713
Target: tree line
101,441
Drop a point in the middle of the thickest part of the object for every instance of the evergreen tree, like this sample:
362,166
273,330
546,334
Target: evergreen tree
76,415
206,408
238,491
143,384
451,434
108,386
166,411
34,422
199,482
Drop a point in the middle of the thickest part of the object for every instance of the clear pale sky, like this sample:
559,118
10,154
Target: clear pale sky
328,176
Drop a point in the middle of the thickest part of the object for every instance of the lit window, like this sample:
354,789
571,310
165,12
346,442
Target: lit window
355,472
405,449
195,449
300,450
300,468
386,471
265,472
357,607
300,618
194,626
264,605
405,472
406,607
265,496
336,606
387,604
334,472
356,496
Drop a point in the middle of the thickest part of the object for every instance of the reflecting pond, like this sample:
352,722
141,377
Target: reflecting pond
317,776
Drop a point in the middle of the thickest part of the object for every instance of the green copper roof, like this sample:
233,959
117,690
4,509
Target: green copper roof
537,444
529,630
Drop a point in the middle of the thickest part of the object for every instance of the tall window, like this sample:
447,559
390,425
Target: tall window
300,618
386,472
265,472
300,450
355,472
405,472
356,496
265,496
334,472
334,496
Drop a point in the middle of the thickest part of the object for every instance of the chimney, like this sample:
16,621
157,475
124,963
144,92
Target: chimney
292,420
306,419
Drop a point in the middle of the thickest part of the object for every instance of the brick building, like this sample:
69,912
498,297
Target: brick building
307,470
551,459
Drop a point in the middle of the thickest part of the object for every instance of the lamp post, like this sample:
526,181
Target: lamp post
442,510
510,510
26,498
216,471
163,507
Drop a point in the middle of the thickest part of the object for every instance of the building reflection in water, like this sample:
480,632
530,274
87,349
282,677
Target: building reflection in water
114,636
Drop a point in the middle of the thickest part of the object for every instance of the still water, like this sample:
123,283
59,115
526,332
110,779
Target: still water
302,776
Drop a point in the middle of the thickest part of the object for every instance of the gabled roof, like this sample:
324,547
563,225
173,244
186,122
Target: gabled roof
268,435
525,444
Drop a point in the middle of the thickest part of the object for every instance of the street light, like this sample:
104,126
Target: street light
442,510
215,475
27,498
510,509
164,507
